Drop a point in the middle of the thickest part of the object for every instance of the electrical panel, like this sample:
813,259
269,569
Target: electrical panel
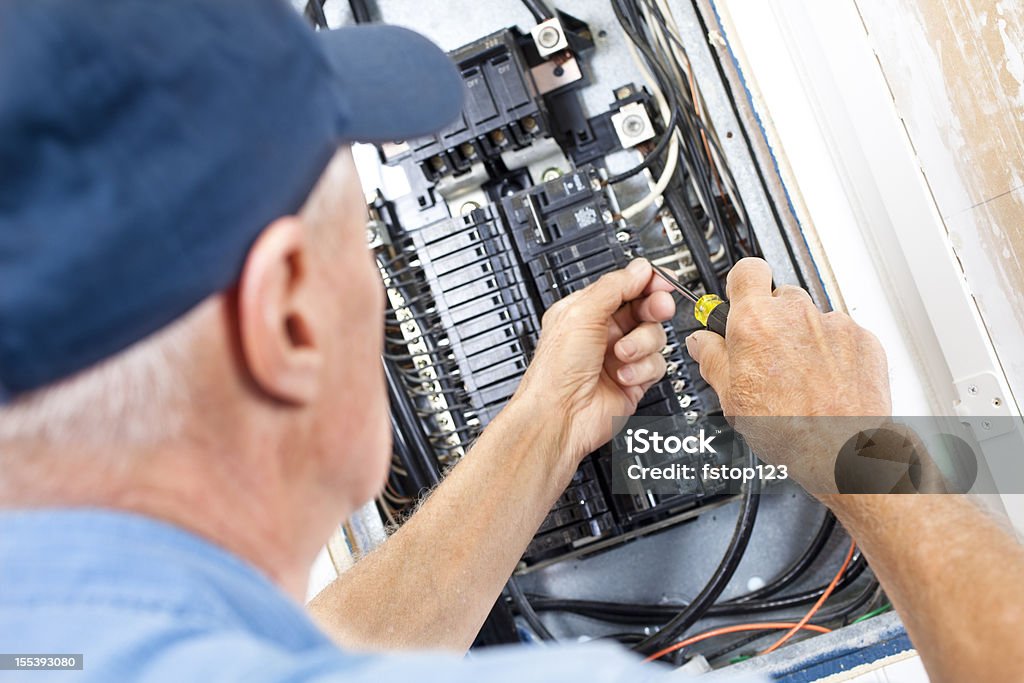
556,173
476,284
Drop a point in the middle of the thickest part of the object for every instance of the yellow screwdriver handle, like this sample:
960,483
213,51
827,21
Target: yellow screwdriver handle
712,312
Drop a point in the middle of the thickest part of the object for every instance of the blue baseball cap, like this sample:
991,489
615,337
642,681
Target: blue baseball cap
145,145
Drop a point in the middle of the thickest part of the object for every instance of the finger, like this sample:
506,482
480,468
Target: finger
614,335
658,284
791,292
749,277
642,389
708,349
650,368
636,394
614,289
655,307
645,339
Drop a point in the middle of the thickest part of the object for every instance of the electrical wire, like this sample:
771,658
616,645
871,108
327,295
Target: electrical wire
834,616
360,11
539,10
526,610
837,613
669,112
652,30
694,161
799,566
315,13
735,628
811,612
855,569
723,573
652,614
628,18
873,613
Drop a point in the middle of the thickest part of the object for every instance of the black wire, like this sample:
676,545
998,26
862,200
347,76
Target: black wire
832,613
714,142
798,566
539,10
843,611
653,614
695,242
360,11
690,127
856,568
315,13
522,604
627,638
655,153
699,606
421,458
670,95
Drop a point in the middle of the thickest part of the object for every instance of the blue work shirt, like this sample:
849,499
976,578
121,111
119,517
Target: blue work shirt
142,600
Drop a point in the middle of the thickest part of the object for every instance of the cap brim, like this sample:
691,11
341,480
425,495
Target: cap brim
397,84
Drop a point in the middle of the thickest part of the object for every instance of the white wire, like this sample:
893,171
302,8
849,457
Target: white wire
661,46
673,148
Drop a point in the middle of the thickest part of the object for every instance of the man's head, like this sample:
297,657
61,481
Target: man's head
190,321
278,351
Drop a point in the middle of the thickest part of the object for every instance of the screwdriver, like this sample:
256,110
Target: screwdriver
710,310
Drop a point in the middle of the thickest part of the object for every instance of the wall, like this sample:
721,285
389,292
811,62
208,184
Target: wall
955,69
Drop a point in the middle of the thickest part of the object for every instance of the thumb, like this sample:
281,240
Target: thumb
708,349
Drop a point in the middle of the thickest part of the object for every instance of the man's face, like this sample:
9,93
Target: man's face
351,431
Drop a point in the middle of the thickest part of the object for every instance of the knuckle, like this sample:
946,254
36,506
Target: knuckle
558,310
574,316
789,291
651,338
747,321
871,343
606,281
550,315
839,319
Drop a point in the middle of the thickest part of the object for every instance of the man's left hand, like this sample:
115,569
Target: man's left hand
599,352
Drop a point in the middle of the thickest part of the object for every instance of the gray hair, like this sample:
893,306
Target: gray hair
135,397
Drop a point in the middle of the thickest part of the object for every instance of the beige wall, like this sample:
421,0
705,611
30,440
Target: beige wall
956,72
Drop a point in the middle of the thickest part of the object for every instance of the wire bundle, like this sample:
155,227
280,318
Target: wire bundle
760,600
693,177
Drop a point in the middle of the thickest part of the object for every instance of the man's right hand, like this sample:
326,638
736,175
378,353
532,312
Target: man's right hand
782,357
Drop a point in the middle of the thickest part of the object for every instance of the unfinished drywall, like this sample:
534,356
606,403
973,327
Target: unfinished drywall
956,72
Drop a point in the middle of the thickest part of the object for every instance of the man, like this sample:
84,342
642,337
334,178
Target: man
189,335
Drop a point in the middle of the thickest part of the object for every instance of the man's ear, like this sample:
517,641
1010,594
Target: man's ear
276,313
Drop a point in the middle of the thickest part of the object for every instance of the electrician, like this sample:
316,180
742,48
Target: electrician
190,329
